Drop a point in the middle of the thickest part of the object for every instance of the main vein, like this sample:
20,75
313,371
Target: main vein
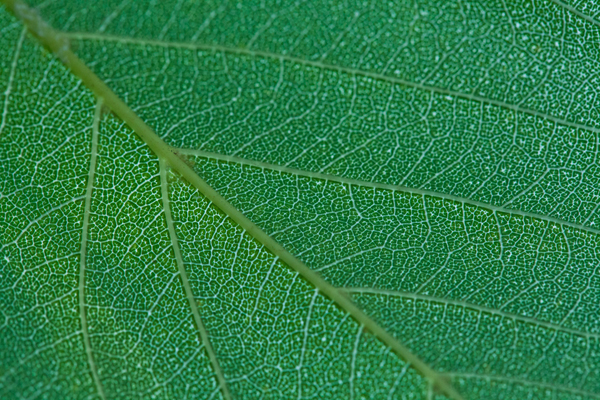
385,186
186,284
59,46
333,67
83,252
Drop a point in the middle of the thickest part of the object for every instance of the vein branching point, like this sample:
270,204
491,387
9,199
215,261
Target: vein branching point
57,43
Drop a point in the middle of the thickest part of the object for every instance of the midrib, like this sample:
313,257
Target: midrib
328,177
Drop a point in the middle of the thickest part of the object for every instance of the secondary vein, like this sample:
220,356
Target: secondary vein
472,306
520,381
83,252
331,67
385,186
58,44
186,284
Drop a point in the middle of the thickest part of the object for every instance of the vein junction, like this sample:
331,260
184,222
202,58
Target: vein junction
391,239
322,65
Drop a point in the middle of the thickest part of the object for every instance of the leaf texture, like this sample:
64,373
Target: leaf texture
435,163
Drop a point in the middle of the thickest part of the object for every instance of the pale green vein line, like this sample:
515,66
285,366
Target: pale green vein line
576,12
14,385
391,394
186,285
353,361
41,217
429,391
385,186
111,17
526,382
11,78
59,46
475,307
331,67
83,252
304,340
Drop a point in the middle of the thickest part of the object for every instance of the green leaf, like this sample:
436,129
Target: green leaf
435,164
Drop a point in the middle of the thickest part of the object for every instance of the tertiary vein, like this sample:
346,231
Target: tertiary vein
524,382
11,78
576,12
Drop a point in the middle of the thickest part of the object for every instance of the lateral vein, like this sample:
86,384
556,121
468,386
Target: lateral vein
41,217
331,67
58,44
526,382
385,186
186,284
472,306
83,252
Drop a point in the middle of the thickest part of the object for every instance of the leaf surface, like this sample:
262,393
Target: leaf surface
435,164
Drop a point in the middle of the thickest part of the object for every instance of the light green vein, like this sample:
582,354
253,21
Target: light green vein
475,307
385,186
525,382
11,78
186,284
59,46
41,217
353,361
332,67
576,12
430,391
82,259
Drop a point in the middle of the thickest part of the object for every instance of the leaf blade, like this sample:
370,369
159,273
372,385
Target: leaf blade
55,42
572,173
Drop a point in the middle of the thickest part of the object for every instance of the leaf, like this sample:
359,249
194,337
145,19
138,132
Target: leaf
436,164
